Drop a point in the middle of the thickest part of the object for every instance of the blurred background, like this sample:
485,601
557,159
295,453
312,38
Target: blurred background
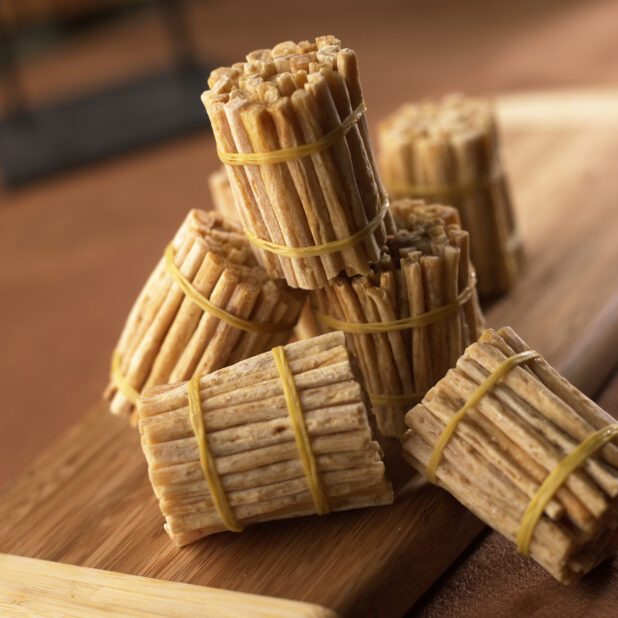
104,146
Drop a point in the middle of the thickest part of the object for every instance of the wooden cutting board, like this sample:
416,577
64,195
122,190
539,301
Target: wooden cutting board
33,587
87,501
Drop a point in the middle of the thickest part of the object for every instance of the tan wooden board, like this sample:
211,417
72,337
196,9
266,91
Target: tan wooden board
87,501
29,586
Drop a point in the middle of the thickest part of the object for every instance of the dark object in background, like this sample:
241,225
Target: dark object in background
39,142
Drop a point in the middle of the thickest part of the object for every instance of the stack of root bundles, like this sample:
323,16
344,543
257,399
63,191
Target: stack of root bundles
449,151
424,268
289,96
168,338
511,442
252,441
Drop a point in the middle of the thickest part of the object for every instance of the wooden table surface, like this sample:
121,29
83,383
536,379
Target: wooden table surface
75,248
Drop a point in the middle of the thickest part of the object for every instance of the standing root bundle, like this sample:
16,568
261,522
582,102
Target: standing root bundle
526,452
207,304
263,457
290,127
449,151
410,319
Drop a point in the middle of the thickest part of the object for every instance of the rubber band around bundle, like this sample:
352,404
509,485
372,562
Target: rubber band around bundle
383,399
555,479
318,250
203,303
206,461
452,190
121,383
296,152
423,319
300,431
482,389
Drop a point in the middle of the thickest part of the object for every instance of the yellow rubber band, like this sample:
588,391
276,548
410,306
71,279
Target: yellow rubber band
208,465
423,319
382,399
483,388
203,303
555,479
300,431
317,250
296,152
452,190
121,383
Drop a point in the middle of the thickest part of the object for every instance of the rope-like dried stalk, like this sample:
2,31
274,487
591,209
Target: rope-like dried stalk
206,305
279,449
290,126
532,457
449,151
411,317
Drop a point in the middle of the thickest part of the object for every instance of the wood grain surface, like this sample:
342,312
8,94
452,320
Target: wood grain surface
29,586
87,500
